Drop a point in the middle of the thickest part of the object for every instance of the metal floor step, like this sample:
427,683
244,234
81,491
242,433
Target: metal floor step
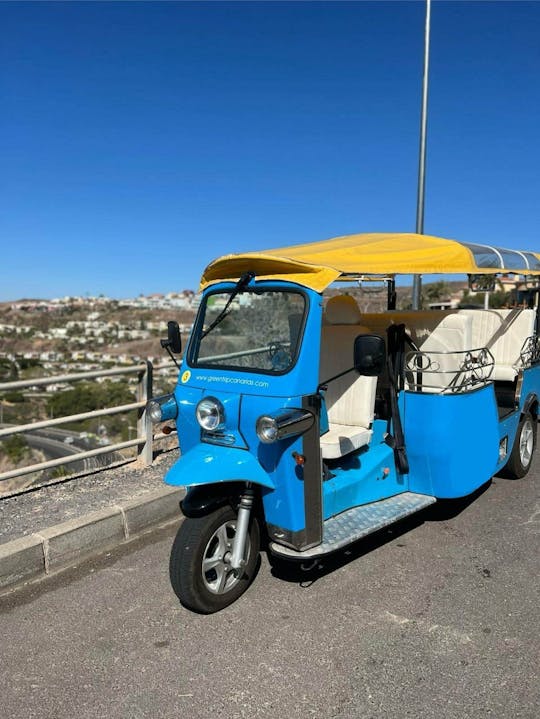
358,522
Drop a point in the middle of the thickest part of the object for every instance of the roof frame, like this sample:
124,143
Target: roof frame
319,264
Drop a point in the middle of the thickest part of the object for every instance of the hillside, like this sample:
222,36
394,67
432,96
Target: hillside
58,330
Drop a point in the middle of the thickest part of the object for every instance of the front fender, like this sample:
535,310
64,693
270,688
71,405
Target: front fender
211,464
200,501
530,400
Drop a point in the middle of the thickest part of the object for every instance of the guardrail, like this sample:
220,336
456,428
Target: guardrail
144,441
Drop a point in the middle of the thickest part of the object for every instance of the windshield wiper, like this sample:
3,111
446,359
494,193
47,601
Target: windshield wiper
241,285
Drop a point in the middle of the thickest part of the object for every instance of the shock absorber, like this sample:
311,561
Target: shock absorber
242,525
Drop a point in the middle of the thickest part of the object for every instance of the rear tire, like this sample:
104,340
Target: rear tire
523,450
199,568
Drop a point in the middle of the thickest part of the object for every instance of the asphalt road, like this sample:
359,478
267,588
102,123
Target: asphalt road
51,443
51,447
437,618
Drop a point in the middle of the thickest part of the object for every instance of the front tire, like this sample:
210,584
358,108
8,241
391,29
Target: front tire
523,450
200,572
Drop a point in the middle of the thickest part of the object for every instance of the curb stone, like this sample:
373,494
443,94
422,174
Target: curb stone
21,559
68,543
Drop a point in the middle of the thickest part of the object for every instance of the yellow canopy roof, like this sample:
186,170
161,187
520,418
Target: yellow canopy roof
318,264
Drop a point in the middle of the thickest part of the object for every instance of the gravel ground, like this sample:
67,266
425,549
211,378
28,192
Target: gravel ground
45,507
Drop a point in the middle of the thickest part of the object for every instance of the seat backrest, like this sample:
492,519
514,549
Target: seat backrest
444,346
350,400
433,330
444,334
502,331
434,327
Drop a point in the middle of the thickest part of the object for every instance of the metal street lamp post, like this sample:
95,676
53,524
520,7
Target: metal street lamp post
417,280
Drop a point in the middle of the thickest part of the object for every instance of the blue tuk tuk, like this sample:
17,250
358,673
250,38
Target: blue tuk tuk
305,424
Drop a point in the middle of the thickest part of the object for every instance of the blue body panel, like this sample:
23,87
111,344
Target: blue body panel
302,379
530,388
211,464
531,381
531,384
363,477
245,396
283,507
452,440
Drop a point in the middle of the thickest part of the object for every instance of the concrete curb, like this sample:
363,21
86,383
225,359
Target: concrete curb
68,543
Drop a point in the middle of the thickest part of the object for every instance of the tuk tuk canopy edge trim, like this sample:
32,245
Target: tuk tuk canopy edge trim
316,265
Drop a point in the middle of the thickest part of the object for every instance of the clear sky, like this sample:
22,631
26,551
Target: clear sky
141,140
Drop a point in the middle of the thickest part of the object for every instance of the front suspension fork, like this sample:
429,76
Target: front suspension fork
242,526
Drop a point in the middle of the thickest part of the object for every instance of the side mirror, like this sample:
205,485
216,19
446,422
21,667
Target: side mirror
369,355
173,341
482,283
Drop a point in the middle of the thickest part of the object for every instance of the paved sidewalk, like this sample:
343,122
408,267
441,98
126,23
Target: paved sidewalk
60,525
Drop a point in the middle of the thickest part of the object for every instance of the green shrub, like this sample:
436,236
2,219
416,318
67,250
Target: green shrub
15,448
89,396
14,397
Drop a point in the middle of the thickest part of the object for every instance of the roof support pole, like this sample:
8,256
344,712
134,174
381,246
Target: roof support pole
417,280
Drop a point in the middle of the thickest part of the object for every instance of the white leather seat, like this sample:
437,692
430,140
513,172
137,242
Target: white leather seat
443,336
342,439
503,332
350,400
445,345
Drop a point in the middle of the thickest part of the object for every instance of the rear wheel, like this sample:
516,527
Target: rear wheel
200,570
523,450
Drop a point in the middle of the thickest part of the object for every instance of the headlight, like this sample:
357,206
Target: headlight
267,429
210,414
282,424
160,409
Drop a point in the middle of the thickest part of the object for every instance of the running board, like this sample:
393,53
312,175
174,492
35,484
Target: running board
358,522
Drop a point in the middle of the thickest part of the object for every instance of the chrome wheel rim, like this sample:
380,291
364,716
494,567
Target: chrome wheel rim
217,573
526,442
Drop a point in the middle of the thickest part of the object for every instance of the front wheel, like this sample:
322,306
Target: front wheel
200,570
522,452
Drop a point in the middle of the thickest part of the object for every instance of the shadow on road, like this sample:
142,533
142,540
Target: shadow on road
308,573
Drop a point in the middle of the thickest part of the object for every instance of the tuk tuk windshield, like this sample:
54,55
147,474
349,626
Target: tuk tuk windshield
257,331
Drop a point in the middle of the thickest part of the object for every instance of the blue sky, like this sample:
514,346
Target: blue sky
141,140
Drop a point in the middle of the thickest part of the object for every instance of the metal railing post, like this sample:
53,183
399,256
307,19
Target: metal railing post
144,425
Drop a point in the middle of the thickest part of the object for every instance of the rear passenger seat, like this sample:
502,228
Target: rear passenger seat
503,332
350,400
435,332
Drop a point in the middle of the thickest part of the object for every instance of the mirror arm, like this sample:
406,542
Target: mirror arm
167,346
